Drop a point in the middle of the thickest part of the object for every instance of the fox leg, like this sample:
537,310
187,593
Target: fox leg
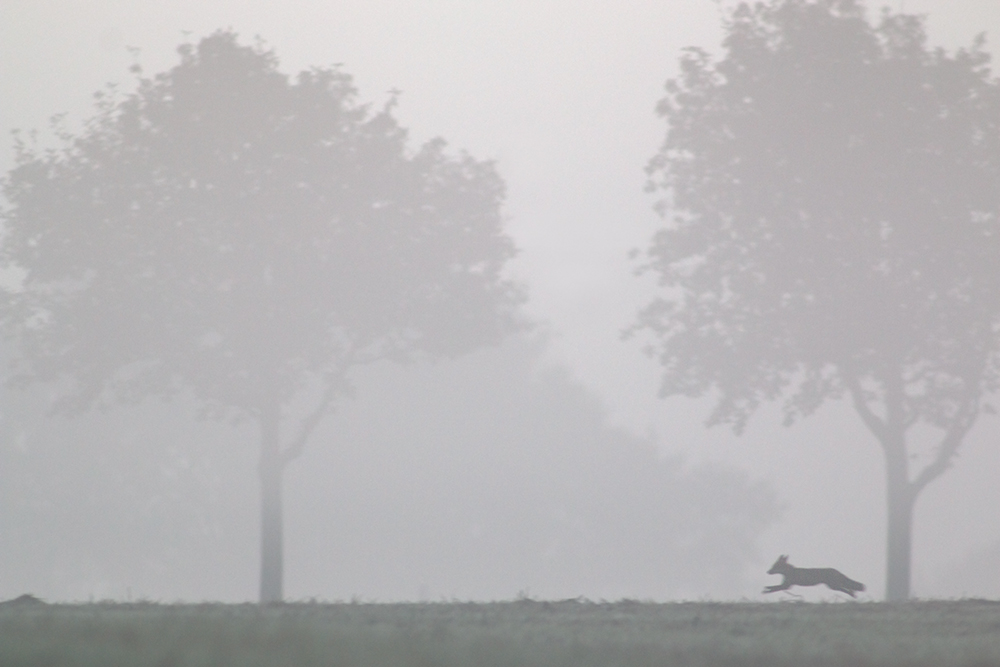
777,587
842,590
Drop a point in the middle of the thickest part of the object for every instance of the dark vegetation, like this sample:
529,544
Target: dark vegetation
522,633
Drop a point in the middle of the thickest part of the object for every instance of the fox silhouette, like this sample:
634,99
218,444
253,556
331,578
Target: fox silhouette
811,576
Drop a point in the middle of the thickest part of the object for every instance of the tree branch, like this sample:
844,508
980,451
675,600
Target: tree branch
949,445
352,358
871,420
309,424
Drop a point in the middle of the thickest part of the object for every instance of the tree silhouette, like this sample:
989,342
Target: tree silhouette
249,237
832,194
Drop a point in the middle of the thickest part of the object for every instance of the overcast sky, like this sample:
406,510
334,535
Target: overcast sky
561,94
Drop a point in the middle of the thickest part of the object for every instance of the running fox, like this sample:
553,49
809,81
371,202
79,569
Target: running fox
810,576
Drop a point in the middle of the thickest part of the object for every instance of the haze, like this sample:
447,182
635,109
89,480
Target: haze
389,501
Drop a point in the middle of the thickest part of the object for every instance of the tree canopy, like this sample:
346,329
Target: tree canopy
831,191
225,225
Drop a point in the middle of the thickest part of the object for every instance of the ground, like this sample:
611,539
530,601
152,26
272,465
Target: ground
519,633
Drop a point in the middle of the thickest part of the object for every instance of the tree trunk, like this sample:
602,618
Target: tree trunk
899,545
901,490
271,541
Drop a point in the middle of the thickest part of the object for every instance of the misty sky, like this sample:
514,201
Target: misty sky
561,94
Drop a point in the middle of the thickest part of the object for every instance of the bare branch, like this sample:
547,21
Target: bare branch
871,420
952,440
309,424
352,355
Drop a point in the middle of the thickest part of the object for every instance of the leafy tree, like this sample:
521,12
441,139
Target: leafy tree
832,194
250,237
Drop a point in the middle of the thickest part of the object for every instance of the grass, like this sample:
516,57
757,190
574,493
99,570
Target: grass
524,633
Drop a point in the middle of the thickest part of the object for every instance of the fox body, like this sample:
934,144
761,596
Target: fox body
811,576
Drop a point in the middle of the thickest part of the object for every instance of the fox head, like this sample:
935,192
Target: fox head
779,565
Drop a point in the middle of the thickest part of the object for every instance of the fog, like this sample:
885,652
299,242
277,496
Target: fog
488,478
546,466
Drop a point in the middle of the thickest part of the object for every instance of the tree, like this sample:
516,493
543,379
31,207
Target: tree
251,238
832,191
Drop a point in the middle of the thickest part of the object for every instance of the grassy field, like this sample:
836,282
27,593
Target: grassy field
521,633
